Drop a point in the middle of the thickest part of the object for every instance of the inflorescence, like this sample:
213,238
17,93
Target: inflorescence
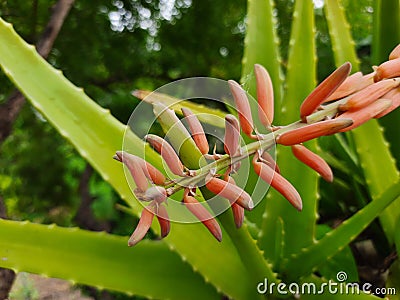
340,103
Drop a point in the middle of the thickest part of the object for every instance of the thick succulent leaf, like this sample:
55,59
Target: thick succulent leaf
386,34
379,169
97,135
375,158
299,227
339,30
304,262
150,269
343,261
261,45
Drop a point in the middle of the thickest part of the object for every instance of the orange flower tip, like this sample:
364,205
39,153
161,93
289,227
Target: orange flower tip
324,90
395,53
143,226
312,131
265,95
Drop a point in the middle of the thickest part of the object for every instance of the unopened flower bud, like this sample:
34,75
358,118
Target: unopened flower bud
201,213
278,182
229,191
265,95
167,153
143,226
312,131
314,161
324,90
197,130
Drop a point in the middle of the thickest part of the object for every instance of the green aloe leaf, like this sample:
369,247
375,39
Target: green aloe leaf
150,269
386,34
339,30
298,227
304,262
375,158
97,135
261,45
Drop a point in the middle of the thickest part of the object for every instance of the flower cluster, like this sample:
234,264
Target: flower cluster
340,103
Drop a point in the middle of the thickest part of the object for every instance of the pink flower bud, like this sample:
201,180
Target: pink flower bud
132,162
369,94
265,95
312,131
237,210
278,182
389,69
167,153
268,159
232,135
201,213
324,90
314,161
348,87
229,191
364,114
393,95
155,193
243,107
163,220
196,129
143,226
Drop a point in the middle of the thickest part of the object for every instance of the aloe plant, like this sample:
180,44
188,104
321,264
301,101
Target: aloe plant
276,243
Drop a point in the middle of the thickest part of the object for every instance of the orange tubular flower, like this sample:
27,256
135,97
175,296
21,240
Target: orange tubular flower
167,153
163,220
364,114
143,226
201,213
389,69
369,94
133,164
229,191
232,135
393,95
197,130
312,131
237,210
314,161
265,95
278,182
243,108
268,159
324,90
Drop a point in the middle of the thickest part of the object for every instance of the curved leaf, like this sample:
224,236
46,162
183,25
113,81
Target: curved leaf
150,269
